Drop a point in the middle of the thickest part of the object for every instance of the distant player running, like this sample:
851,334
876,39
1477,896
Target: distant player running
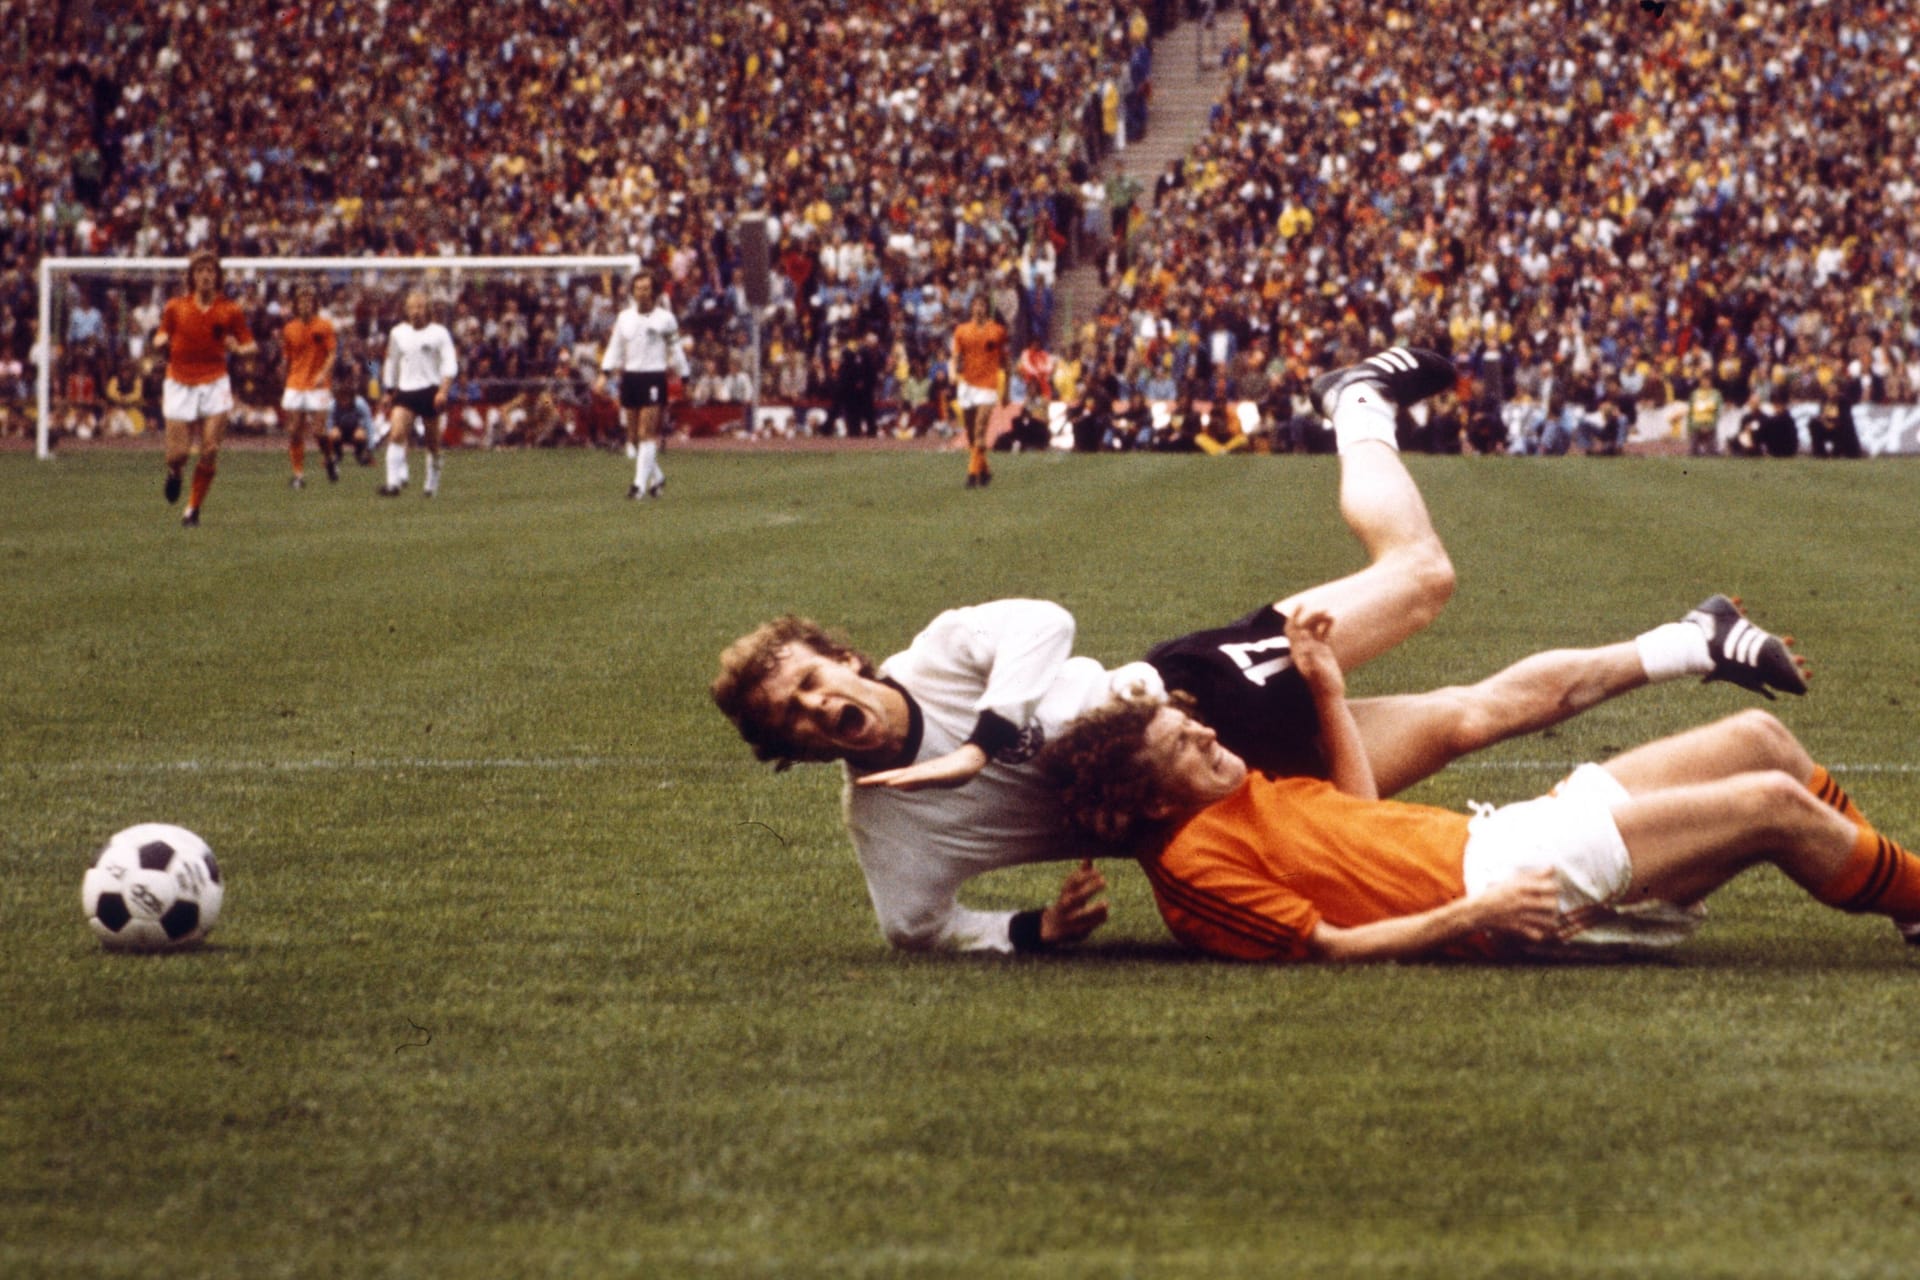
308,348
644,340
419,372
979,359
199,331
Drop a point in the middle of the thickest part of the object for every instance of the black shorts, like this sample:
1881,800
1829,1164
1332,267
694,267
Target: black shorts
643,390
1246,688
419,403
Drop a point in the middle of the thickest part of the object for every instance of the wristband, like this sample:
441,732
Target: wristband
1024,931
994,733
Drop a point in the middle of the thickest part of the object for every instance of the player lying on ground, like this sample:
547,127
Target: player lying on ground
938,741
1259,868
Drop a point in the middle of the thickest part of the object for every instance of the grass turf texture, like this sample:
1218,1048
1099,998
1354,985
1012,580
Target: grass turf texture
525,969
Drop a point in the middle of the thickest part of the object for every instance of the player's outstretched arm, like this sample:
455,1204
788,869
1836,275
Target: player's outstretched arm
955,769
1527,906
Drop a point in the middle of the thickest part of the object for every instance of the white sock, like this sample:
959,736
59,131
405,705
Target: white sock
433,474
1362,413
647,469
396,464
1672,650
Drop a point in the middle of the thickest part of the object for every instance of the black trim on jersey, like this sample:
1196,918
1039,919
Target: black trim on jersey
994,733
916,726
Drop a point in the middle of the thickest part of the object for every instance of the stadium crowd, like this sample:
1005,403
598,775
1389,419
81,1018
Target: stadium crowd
909,156
1590,206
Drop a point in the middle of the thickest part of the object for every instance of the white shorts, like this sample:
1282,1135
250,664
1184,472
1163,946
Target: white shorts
318,401
972,397
182,403
1571,832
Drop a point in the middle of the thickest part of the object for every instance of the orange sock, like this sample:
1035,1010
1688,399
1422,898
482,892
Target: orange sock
1880,876
202,481
978,464
1828,792
298,451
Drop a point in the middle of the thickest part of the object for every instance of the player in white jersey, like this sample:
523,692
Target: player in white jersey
419,370
644,342
938,740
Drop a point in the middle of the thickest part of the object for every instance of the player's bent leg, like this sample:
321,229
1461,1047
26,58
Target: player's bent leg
1409,737
1382,605
1686,841
1745,742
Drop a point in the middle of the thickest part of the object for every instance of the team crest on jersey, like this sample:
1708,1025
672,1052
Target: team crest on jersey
1024,748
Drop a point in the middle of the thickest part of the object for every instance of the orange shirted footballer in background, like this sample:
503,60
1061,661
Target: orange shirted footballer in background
199,331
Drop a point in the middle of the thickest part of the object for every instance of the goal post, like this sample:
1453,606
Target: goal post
249,273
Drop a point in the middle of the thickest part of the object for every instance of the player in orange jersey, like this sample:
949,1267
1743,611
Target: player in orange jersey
308,348
979,359
199,331
1254,867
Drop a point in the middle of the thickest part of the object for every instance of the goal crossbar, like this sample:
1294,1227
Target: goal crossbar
53,267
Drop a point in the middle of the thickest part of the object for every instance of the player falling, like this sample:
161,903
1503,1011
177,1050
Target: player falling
308,348
199,331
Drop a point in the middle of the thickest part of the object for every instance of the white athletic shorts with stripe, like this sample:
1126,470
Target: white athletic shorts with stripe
1570,831
182,403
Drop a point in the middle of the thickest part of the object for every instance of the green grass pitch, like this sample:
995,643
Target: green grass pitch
527,970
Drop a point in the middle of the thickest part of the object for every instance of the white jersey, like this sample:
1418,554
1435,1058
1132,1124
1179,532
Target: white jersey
1012,658
641,343
418,358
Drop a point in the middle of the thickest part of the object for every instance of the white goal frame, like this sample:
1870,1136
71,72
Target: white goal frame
53,268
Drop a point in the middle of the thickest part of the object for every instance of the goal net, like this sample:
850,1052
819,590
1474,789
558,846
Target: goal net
529,331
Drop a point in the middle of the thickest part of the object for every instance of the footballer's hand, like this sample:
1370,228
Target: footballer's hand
1078,910
1313,656
1527,906
955,769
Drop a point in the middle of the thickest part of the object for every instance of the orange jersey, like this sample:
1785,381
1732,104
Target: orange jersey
196,339
981,350
309,345
1252,875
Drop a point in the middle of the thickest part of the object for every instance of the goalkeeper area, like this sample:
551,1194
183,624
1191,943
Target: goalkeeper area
529,330
525,968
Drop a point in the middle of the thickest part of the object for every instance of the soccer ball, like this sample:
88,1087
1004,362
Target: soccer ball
154,887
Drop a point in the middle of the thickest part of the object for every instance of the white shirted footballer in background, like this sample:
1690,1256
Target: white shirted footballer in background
419,370
645,341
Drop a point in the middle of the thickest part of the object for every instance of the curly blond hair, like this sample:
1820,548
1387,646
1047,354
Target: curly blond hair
1105,784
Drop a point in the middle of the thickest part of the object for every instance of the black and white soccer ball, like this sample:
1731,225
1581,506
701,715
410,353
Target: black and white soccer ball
155,887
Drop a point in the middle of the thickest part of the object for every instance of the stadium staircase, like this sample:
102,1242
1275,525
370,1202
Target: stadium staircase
1188,79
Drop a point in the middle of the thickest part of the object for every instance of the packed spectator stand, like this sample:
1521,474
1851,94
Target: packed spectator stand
1594,208
1590,206
908,155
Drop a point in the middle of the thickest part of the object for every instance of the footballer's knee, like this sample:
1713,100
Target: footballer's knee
1428,571
1763,733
